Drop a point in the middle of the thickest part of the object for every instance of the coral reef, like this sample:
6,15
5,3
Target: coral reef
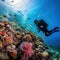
20,44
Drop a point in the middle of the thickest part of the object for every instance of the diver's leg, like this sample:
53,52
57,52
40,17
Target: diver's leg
47,32
56,29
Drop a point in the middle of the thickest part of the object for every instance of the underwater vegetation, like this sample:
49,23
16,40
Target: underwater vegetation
27,30
16,43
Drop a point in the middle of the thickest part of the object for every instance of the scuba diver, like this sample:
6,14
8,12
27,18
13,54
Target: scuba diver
42,25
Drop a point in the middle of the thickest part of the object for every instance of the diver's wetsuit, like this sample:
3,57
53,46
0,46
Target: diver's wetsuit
43,27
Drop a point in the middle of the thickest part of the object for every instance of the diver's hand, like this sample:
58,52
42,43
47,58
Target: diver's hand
38,30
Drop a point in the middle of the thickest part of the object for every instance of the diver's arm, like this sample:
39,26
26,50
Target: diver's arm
38,29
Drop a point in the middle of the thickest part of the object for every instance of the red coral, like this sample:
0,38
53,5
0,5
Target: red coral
27,49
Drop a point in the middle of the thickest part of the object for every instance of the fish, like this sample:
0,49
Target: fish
4,16
30,25
19,12
29,18
1,18
12,1
15,15
9,14
3,0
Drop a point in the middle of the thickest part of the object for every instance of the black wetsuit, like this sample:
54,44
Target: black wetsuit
42,25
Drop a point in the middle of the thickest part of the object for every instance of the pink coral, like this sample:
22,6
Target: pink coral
26,47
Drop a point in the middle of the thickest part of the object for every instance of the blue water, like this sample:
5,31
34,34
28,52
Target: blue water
49,10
